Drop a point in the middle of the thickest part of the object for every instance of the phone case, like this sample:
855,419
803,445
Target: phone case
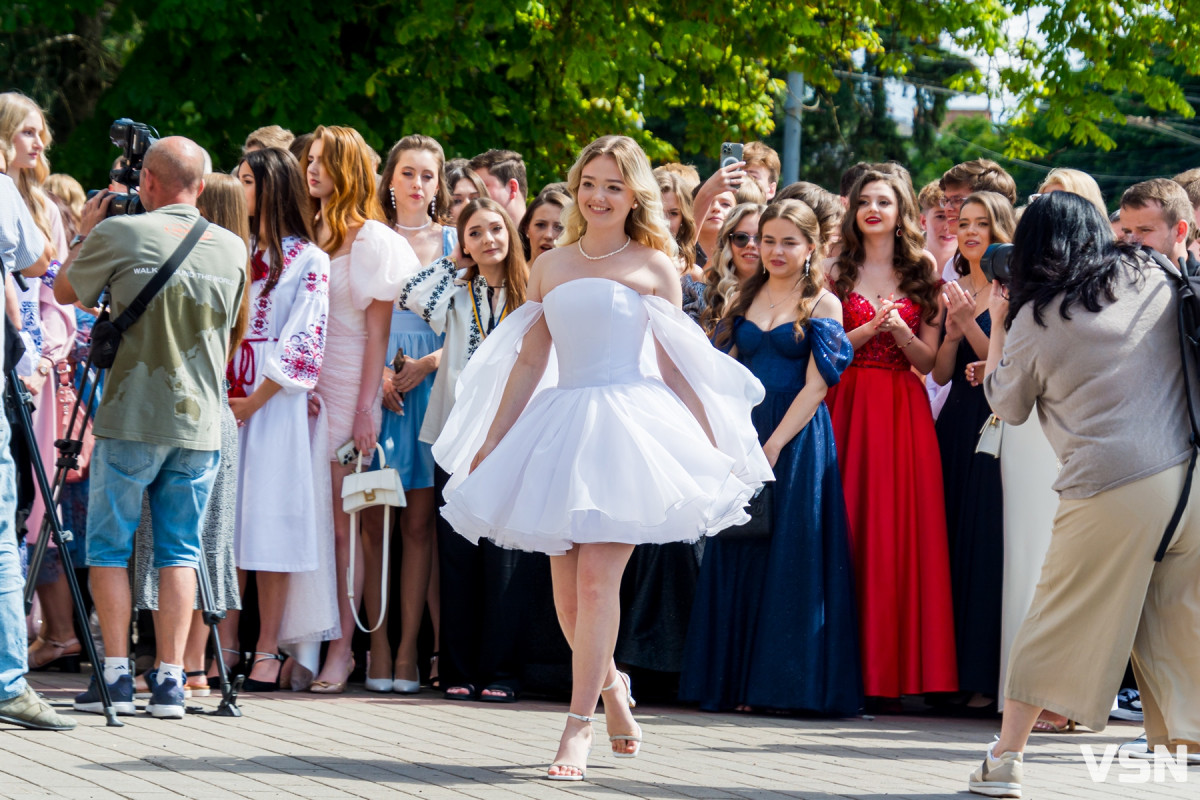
347,453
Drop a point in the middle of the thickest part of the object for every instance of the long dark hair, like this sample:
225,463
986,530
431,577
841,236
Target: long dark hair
1064,247
548,196
281,201
917,279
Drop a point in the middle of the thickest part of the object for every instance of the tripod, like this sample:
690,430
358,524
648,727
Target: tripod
69,449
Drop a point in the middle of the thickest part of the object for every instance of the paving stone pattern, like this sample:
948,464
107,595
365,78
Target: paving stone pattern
361,745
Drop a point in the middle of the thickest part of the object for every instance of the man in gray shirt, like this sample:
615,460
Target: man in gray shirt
157,427
23,249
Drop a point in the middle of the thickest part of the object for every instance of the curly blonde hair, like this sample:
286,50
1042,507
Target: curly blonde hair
645,223
721,282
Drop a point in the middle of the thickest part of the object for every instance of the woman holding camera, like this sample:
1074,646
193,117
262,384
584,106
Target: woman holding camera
974,495
1088,328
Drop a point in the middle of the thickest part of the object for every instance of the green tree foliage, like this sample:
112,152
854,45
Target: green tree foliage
545,76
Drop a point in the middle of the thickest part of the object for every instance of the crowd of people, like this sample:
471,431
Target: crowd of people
403,309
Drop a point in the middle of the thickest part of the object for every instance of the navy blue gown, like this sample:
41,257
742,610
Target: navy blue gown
774,623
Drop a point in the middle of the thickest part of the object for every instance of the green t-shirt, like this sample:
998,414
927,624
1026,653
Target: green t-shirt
165,385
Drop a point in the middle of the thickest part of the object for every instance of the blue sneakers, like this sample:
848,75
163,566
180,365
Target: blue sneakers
120,692
1127,706
167,700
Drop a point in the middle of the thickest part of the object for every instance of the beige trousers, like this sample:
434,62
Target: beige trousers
1101,595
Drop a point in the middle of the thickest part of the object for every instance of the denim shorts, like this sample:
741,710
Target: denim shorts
178,482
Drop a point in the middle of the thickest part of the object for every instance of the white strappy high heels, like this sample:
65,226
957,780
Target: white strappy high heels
564,765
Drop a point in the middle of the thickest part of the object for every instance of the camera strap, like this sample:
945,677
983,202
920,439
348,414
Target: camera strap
1188,315
142,301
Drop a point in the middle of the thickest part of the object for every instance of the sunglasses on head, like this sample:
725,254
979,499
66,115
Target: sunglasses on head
740,239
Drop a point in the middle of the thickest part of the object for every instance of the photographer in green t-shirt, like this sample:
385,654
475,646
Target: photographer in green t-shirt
158,425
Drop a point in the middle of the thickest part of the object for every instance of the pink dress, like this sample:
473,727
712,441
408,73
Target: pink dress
379,262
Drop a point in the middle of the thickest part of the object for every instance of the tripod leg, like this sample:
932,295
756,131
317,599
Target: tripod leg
21,402
229,691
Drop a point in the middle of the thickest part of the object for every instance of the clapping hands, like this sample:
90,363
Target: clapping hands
959,306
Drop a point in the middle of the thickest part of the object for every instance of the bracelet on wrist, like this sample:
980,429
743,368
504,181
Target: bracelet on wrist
366,410
910,341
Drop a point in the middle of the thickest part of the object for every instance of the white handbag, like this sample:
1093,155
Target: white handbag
991,436
360,490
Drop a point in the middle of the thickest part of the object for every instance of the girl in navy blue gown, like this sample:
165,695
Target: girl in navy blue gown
774,623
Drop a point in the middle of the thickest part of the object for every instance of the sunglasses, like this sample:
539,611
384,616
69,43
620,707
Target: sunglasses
740,239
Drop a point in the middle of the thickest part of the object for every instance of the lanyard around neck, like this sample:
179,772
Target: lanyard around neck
494,320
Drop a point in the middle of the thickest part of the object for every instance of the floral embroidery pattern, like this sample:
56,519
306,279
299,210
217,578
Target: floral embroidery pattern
260,318
448,270
478,288
303,353
316,283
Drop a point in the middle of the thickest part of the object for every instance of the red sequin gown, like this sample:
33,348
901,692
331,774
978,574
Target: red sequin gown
892,478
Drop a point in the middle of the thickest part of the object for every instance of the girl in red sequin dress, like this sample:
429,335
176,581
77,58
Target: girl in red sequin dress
887,448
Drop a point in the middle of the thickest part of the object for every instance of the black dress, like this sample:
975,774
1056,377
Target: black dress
975,526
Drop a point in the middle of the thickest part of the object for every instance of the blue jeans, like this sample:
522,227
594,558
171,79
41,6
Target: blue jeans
12,585
178,482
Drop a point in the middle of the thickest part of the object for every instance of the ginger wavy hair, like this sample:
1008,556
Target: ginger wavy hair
645,224
918,280
350,163
14,108
721,282
516,269
812,280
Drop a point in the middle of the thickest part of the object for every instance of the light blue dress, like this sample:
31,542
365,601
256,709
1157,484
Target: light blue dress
398,432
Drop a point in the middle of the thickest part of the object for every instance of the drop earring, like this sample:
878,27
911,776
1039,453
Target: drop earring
392,192
807,264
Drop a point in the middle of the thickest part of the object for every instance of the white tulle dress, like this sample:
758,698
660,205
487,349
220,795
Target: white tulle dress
604,451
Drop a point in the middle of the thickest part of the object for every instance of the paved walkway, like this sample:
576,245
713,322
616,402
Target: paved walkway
360,745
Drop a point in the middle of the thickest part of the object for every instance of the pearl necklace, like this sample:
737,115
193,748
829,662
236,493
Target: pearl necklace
606,255
428,222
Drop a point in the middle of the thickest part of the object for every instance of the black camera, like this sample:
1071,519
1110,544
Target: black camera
995,262
134,139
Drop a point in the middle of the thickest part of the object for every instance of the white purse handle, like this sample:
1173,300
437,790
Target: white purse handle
387,538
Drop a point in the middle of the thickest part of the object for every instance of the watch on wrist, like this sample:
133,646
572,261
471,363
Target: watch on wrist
78,240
